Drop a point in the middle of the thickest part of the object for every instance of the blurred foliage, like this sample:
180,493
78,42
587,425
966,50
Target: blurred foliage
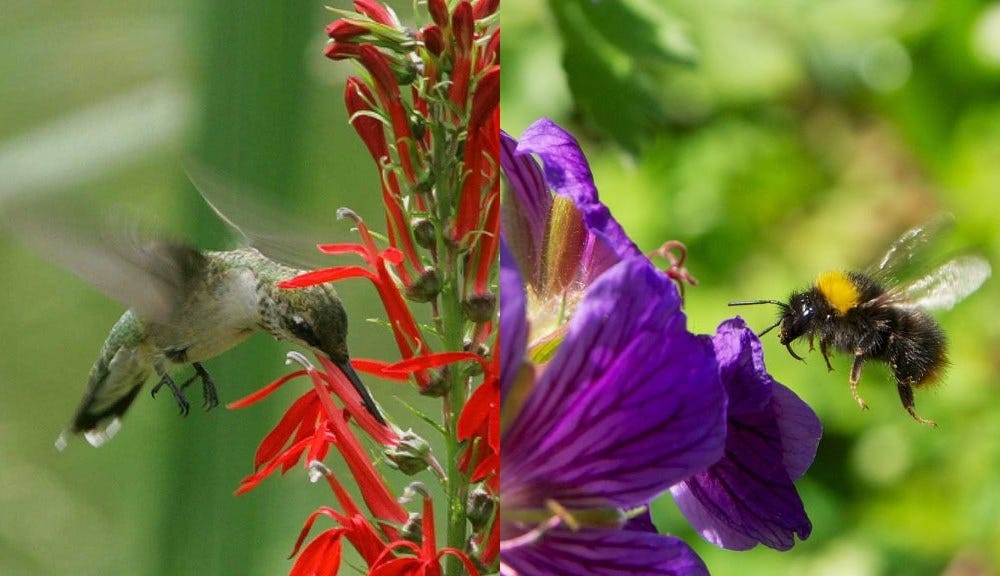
779,140
102,105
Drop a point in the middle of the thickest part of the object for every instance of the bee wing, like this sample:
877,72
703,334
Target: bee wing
908,249
273,233
945,286
151,276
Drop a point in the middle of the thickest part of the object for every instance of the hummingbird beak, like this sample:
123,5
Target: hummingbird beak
366,397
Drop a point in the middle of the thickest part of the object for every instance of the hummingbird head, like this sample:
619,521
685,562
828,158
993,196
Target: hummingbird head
315,318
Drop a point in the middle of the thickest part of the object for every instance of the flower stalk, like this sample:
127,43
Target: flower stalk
426,107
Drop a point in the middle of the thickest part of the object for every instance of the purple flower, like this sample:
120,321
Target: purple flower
629,405
748,496
607,400
561,242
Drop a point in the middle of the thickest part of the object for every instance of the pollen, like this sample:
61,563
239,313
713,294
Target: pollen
839,291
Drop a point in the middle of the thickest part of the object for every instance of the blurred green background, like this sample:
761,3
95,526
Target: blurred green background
779,140
102,104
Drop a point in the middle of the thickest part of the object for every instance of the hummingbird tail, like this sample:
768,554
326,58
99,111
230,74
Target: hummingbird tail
366,397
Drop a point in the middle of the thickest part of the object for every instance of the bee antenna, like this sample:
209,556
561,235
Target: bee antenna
780,304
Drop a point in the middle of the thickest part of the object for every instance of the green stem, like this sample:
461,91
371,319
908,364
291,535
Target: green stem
452,325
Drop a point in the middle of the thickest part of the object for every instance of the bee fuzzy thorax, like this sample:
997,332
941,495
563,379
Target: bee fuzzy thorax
839,290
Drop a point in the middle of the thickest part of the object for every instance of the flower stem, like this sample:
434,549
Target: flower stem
452,324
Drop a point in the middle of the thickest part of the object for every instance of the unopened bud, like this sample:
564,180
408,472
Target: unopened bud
411,455
413,530
439,385
424,233
480,307
479,508
418,126
425,288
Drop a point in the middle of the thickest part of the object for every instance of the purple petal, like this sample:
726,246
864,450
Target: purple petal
513,324
630,404
800,430
567,172
748,496
526,209
596,552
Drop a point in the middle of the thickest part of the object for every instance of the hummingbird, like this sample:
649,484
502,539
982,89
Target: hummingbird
186,306
204,304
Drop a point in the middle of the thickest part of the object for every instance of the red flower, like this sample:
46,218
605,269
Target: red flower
427,109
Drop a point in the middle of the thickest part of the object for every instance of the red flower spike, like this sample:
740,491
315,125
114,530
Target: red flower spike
463,26
439,12
377,12
483,8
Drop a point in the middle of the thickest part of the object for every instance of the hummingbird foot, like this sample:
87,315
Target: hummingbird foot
166,380
207,386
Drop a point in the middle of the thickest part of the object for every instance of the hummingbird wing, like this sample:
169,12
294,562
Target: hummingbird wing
149,275
276,235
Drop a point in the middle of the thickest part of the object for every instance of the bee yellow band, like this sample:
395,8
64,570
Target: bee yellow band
838,290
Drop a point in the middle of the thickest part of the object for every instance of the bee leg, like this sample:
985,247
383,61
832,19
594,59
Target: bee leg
825,350
906,397
792,352
207,386
166,380
811,345
856,377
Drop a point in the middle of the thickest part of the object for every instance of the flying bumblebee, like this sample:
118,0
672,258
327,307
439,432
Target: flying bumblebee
872,315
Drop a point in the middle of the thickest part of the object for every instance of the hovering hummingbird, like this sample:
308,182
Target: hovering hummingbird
185,306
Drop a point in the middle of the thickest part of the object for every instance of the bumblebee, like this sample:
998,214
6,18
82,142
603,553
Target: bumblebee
873,315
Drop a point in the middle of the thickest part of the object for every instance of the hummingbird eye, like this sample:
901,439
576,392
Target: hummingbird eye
302,330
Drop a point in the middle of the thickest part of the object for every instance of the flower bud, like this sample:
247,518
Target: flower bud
439,385
425,288
410,455
433,40
424,233
413,530
479,508
480,307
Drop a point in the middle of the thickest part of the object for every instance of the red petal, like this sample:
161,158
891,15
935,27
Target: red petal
326,275
264,392
376,11
276,439
484,8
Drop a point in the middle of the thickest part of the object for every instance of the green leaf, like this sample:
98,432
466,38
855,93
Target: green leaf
613,54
